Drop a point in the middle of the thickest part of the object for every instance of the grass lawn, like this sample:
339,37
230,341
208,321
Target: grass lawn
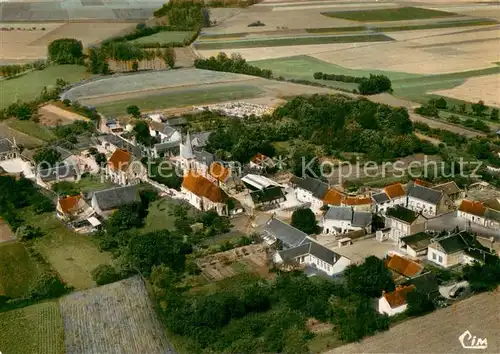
93,183
277,42
395,14
72,255
33,329
163,37
33,129
18,271
204,95
27,87
159,217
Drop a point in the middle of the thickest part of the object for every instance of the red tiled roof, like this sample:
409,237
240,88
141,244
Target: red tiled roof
333,197
219,172
403,266
259,158
472,207
357,201
395,190
119,160
398,296
422,183
202,187
68,203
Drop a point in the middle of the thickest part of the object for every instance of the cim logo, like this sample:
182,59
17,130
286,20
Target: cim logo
469,341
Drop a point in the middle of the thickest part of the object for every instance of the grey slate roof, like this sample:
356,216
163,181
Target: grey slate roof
168,131
492,214
452,244
200,139
115,197
5,145
167,146
418,241
314,249
339,213
64,153
361,218
57,173
204,157
315,186
448,188
425,283
122,144
380,198
289,235
425,194
176,121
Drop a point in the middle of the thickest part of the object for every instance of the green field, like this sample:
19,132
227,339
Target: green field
71,255
336,29
159,217
163,37
18,271
28,86
448,24
278,42
395,14
203,95
33,329
33,129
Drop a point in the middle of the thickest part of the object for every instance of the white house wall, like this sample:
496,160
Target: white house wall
385,308
421,206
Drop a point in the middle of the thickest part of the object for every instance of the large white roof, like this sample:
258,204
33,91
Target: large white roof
259,182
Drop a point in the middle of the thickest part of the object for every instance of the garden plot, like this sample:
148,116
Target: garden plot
33,329
117,85
114,318
251,258
485,88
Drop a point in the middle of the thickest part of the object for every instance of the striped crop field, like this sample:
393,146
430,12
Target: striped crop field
295,41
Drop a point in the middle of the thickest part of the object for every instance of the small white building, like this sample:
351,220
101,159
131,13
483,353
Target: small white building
404,222
313,255
394,302
311,191
164,132
343,219
391,196
427,201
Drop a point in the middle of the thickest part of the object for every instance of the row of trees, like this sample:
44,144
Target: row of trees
337,77
367,85
233,64
13,70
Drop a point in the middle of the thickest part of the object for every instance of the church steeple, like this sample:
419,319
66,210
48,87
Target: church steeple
186,149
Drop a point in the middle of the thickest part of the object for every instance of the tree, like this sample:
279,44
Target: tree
441,103
418,303
105,274
169,57
163,277
65,188
479,108
494,114
134,111
375,84
47,157
305,220
370,278
483,277
152,249
47,286
28,232
67,102
127,217
141,133
66,51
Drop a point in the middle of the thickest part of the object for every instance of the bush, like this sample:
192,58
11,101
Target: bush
105,274
67,102
66,51
28,232
375,84
48,286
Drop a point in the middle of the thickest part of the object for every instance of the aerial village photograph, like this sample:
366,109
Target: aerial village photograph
249,176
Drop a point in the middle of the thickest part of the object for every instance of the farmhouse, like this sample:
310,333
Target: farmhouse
392,195
342,219
288,236
358,203
313,255
164,132
394,302
8,150
403,222
485,213
123,168
77,213
455,249
105,202
314,193
63,172
450,190
427,200
416,245
203,194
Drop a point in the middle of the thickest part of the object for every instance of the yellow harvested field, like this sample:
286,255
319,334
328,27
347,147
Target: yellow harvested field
52,115
438,332
88,33
486,88
483,34
428,34
16,44
262,53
